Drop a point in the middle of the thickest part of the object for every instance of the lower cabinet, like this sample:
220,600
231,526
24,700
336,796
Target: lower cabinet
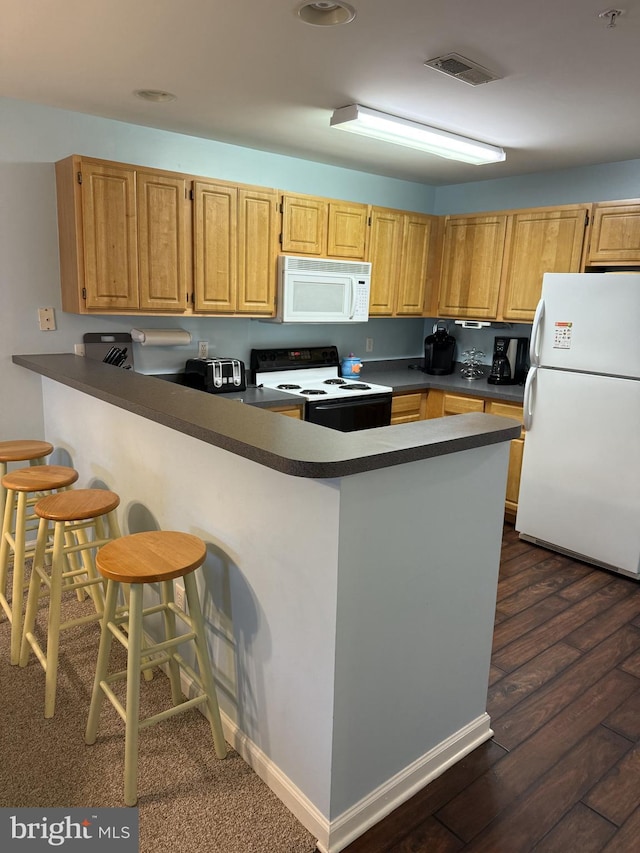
443,403
289,411
510,410
408,407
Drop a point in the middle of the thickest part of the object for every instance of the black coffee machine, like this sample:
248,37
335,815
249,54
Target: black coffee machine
510,361
439,351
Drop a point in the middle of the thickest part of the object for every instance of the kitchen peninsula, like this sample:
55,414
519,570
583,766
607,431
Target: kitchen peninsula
350,583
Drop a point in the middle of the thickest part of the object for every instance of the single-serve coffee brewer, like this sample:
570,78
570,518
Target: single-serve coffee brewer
439,351
510,361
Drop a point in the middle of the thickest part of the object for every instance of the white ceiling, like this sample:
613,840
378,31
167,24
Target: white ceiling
251,73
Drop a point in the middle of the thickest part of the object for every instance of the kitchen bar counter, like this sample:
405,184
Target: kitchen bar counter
349,607
292,447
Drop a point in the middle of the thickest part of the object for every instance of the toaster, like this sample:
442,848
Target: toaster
215,375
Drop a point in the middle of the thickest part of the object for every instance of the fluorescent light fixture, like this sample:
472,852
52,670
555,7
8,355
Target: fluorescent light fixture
400,131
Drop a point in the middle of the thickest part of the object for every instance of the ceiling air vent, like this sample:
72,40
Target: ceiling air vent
461,68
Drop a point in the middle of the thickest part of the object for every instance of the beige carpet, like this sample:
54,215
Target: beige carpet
189,801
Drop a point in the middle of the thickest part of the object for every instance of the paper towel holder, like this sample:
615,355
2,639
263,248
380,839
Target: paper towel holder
161,337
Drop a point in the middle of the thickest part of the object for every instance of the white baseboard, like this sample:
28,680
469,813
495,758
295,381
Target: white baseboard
333,836
379,803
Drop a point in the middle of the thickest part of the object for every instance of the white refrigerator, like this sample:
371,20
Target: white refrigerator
580,484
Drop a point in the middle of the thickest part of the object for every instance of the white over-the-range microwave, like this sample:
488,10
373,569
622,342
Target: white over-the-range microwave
322,290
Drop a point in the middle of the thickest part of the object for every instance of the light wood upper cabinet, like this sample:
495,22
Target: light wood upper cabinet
258,229
539,241
323,227
235,249
615,233
123,238
493,264
347,230
304,224
416,243
385,247
401,249
472,258
163,249
215,215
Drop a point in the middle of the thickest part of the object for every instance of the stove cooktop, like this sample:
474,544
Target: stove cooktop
311,373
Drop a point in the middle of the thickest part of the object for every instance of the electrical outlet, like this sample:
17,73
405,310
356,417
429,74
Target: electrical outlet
203,349
46,319
368,345
78,349
179,597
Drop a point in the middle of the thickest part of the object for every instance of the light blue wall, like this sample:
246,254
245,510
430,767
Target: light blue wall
593,183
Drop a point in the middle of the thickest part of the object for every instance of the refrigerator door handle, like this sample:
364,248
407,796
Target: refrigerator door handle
527,404
534,346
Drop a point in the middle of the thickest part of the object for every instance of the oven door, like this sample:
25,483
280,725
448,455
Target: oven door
353,414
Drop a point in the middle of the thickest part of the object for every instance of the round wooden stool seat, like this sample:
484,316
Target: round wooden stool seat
24,450
150,557
40,478
77,504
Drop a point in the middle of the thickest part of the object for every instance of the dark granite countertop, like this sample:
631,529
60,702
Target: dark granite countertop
403,376
293,447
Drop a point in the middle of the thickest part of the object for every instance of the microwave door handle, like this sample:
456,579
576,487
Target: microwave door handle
353,298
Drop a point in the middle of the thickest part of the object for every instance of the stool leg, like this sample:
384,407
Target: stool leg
102,664
204,664
35,585
133,695
3,491
4,545
18,579
170,632
53,631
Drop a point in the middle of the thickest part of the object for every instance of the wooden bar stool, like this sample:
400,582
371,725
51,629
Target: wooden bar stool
136,560
75,514
21,450
23,484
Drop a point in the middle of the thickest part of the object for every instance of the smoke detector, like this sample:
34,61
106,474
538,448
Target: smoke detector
461,68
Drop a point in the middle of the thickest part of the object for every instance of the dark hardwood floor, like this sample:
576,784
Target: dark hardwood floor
562,771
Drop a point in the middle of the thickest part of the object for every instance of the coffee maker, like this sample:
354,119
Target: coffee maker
439,351
510,362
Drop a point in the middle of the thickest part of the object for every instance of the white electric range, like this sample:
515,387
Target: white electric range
313,374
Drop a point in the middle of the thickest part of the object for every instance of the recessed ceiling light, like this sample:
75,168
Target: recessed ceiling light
324,13
156,95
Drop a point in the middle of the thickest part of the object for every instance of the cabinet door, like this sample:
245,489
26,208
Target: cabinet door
416,233
162,242
385,245
510,410
110,238
347,234
539,242
214,238
258,227
472,266
406,408
304,225
443,403
615,234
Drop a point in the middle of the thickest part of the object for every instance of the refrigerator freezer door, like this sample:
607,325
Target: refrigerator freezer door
589,322
580,485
